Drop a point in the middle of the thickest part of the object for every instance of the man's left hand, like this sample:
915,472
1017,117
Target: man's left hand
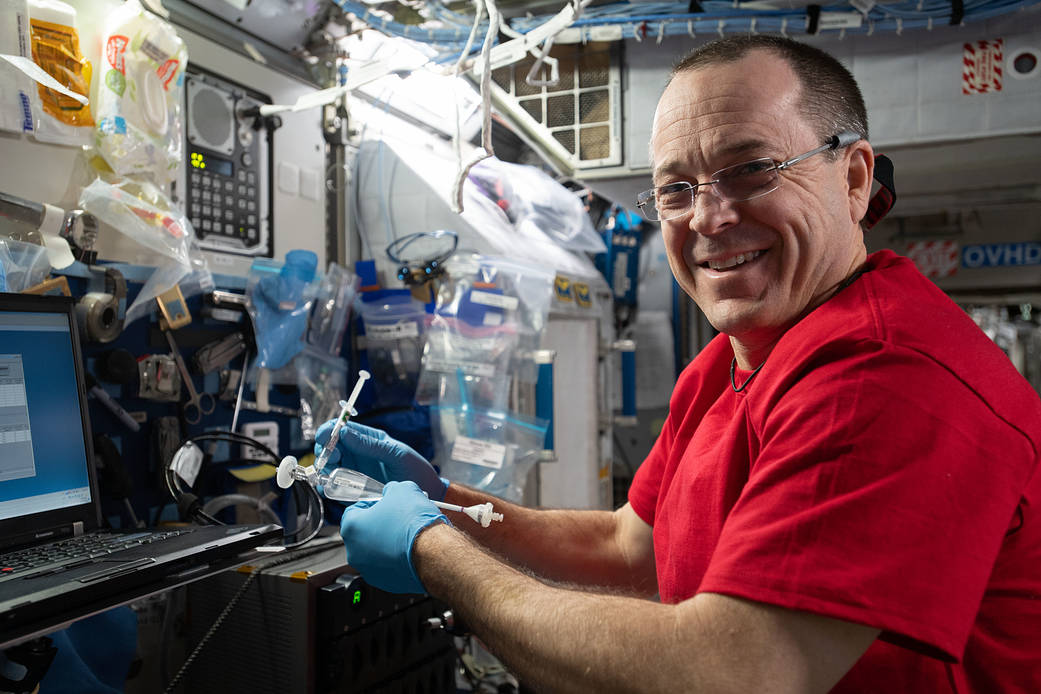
379,536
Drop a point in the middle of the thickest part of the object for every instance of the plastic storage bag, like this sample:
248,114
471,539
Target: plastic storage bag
466,364
535,204
141,211
279,303
488,321
22,265
55,48
15,88
395,327
332,309
140,129
322,380
486,449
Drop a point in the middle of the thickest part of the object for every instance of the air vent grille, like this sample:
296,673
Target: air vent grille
579,117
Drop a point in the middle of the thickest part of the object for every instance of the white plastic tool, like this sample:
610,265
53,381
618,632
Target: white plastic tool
480,513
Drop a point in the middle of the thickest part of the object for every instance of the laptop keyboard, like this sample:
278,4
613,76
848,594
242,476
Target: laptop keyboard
74,551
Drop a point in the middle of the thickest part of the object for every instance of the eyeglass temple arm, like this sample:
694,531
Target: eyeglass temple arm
843,139
838,141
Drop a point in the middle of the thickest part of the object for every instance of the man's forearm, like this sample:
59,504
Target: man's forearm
565,545
564,640
550,637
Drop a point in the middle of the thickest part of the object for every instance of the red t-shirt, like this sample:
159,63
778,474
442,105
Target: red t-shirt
880,469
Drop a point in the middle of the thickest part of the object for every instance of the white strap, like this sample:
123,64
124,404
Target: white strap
38,74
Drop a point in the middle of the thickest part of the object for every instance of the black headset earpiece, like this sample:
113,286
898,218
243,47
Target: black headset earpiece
422,270
188,506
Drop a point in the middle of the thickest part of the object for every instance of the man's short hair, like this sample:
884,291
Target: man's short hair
829,96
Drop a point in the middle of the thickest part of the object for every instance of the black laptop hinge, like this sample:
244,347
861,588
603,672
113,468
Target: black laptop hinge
14,542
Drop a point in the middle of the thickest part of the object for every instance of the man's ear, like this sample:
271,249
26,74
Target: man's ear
861,161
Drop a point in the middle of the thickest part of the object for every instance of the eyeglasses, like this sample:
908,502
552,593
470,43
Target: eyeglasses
737,183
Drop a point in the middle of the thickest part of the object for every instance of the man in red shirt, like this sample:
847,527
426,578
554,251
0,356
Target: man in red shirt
844,495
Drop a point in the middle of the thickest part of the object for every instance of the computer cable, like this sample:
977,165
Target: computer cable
190,506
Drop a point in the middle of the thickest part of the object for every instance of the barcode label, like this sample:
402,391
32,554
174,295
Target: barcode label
477,452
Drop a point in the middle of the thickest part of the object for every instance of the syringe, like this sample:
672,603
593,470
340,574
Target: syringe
346,412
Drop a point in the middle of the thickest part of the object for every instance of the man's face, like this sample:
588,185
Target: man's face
753,267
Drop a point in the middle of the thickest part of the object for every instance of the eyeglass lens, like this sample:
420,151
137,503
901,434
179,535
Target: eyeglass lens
748,180
736,183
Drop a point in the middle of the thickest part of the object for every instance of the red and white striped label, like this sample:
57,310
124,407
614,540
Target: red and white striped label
982,66
935,258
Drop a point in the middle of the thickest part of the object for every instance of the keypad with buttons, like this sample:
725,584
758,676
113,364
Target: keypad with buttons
224,201
228,187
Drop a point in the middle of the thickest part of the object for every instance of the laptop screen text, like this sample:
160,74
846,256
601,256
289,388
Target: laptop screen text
43,460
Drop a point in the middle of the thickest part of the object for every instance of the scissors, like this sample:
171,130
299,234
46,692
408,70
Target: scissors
198,403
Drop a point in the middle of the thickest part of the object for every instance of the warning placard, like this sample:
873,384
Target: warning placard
982,62
934,258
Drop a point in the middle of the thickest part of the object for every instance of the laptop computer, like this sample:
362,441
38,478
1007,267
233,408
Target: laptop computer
49,497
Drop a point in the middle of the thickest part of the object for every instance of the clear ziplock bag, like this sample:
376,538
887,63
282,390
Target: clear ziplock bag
395,327
489,292
22,265
332,309
322,380
536,204
490,450
466,365
143,212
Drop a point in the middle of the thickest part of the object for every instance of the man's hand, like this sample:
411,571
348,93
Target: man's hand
379,536
372,452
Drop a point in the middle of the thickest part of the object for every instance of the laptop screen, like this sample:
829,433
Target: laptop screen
43,458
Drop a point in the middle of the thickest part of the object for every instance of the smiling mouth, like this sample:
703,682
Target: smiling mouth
732,261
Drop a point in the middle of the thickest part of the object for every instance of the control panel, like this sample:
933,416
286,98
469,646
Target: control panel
227,186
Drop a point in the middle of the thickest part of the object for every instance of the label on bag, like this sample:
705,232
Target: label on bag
394,331
477,452
468,368
508,303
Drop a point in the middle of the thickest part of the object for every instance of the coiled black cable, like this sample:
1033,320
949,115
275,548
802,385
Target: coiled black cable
189,504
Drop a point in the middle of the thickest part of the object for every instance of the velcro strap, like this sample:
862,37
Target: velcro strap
882,201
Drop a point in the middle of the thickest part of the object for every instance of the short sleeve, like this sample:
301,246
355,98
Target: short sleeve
880,494
646,484
697,389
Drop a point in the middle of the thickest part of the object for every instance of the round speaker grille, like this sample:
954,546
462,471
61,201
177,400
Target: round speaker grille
211,117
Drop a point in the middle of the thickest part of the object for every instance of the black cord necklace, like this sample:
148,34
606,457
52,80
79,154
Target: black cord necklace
733,383
733,360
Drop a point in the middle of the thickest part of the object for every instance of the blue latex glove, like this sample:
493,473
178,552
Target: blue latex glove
372,452
379,536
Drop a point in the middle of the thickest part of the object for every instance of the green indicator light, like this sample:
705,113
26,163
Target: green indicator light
357,597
